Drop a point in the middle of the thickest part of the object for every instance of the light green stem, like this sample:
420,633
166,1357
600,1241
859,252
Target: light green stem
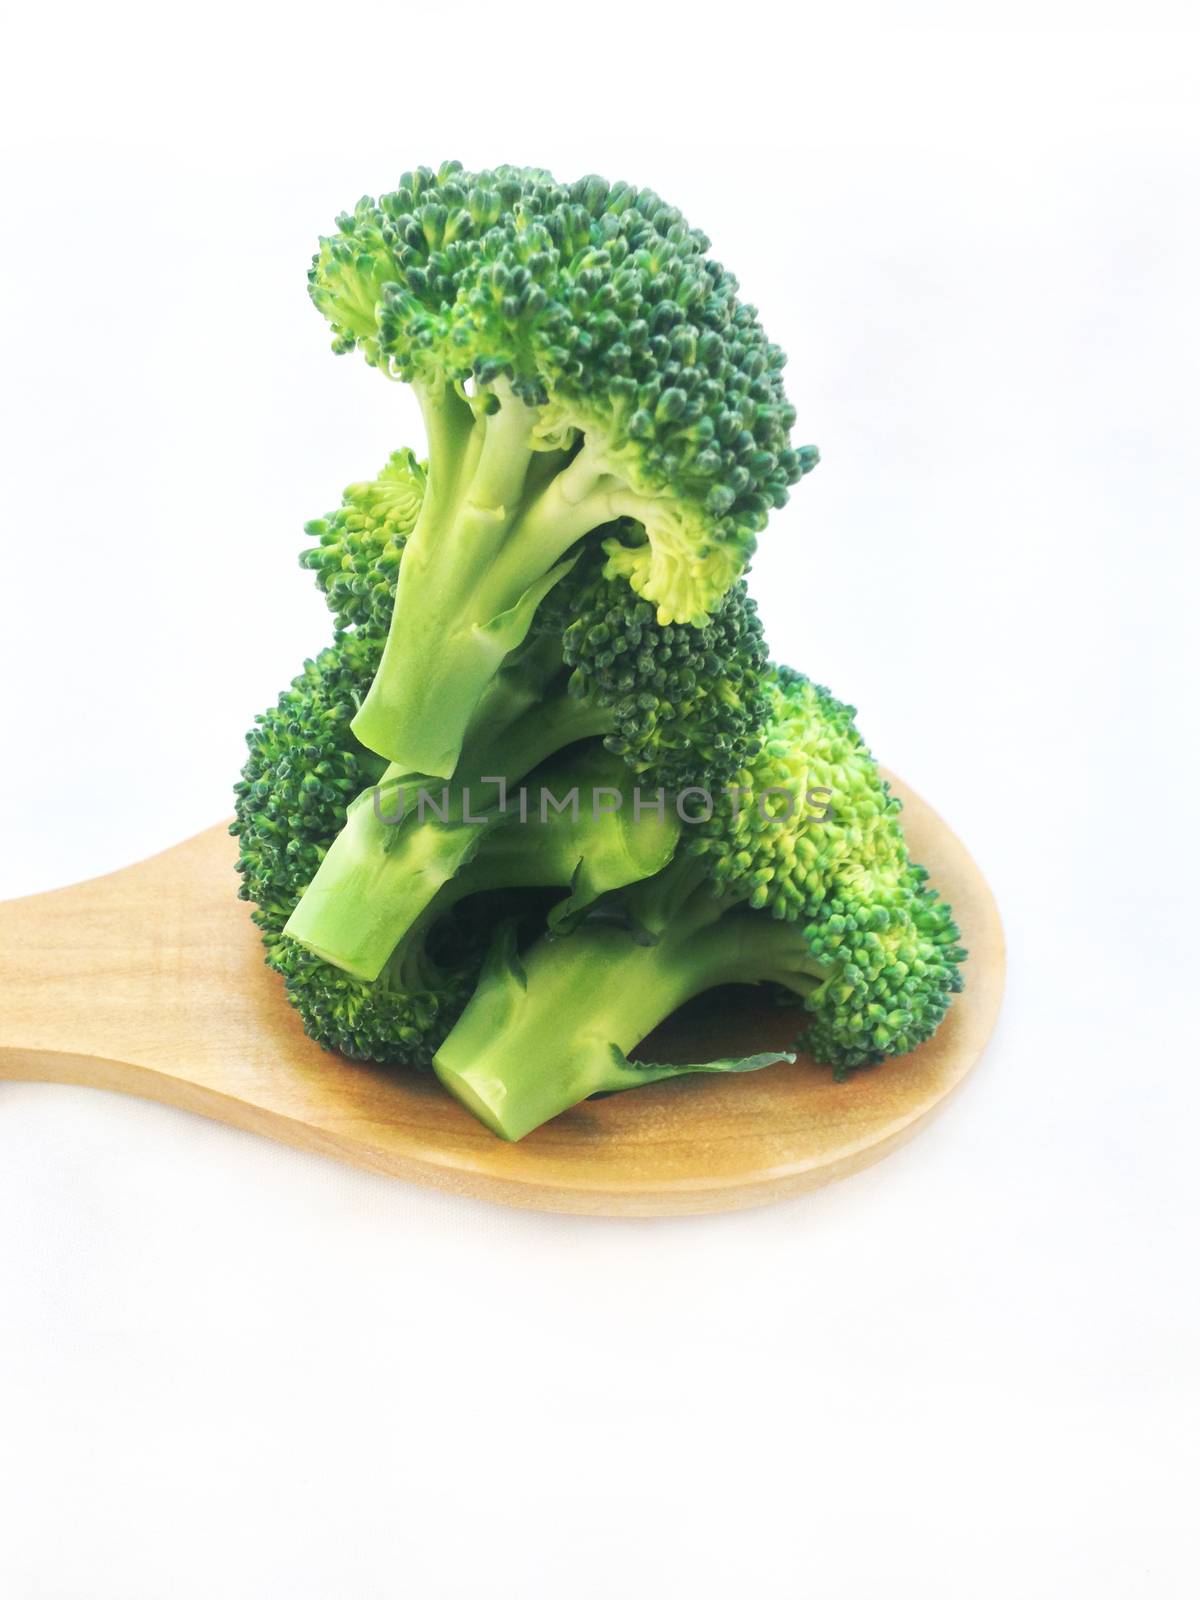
546,1032
489,543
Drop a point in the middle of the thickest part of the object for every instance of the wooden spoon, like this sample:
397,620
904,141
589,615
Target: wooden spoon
151,981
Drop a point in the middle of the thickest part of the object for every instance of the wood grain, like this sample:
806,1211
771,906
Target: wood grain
151,981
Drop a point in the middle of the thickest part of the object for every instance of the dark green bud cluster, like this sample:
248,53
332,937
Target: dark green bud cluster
304,768
689,703
357,557
781,851
840,870
597,301
392,1022
893,953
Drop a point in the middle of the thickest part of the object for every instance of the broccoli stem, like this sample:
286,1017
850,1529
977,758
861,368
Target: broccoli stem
380,891
485,550
398,850
372,886
514,750
540,1036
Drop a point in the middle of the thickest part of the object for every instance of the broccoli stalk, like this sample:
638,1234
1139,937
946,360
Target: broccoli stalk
824,904
543,1033
383,884
577,358
486,549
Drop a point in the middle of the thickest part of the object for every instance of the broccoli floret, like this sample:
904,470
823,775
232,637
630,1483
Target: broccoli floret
579,359
358,554
304,767
684,704
805,882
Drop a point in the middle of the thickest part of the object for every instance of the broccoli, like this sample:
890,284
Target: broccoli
556,600
583,368
803,882
683,705
357,556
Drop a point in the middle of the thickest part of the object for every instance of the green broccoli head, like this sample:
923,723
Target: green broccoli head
580,360
891,952
687,705
395,1021
817,841
303,769
810,804
357,556
598,306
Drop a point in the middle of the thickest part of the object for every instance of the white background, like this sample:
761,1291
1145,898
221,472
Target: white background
229,1370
